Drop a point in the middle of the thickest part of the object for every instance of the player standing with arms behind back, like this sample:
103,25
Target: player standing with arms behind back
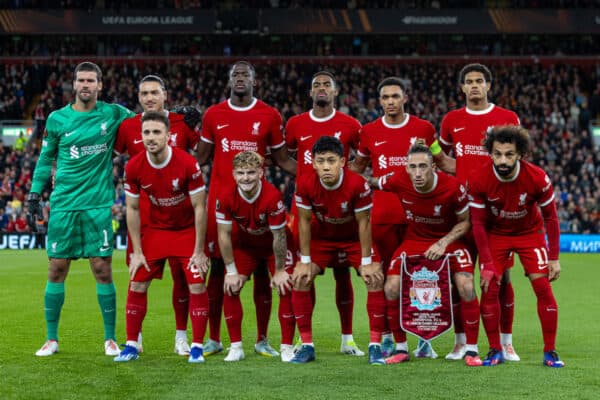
506,195
80,137
301,133
463,131
241,123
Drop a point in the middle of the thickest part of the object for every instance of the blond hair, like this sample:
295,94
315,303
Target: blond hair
248,159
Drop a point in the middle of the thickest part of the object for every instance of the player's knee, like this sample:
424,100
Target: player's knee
197,288
391,292
140,287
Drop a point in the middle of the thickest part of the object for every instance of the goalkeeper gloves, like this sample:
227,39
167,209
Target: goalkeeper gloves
191,115
34,210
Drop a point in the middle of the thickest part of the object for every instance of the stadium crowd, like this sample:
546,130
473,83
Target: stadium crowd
556,103
299,45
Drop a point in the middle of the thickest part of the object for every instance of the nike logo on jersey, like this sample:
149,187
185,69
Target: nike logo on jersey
146,186
222,126
458,129
380,143
138,141
303,138
407,202
67,134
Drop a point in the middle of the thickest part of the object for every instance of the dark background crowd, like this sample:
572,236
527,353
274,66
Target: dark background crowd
556,102
551,81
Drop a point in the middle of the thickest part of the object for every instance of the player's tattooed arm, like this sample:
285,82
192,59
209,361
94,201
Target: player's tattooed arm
279,248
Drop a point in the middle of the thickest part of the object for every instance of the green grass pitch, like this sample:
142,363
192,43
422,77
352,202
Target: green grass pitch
81,371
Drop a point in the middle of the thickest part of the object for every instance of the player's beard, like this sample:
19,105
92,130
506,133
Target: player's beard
86,98
505,173
322,102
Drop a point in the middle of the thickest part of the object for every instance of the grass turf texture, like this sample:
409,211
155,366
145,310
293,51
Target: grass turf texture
81,370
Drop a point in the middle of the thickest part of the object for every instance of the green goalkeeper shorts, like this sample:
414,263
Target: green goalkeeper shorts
80,234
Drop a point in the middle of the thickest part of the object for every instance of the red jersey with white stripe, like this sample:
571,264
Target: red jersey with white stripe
387,146
168,185
511,205
303,130
465,129
257,127
433,214
334,207
129,137
252,219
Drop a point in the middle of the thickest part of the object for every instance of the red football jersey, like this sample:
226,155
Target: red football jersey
430,215
254,218
235,129
129,137
168,186
387,146
511,206
465,129
303,130
334,208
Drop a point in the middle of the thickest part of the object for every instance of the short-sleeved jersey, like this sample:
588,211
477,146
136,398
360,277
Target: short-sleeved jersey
511,205
254,218
257,127
335,207
168,186
465,129
129,138
303,130
387,146
81,143
433,214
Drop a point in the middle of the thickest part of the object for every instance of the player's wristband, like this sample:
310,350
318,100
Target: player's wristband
366,260
231,269
435,148
305,259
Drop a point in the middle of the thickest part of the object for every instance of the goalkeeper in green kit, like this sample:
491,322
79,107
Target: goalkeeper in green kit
80,138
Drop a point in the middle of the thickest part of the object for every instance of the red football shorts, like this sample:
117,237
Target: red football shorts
461,262
326,253
531,248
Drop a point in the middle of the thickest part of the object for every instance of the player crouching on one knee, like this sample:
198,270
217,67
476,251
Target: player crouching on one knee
341,202
252,226
438,216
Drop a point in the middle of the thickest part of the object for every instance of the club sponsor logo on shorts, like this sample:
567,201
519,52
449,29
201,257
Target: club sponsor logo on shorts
424,292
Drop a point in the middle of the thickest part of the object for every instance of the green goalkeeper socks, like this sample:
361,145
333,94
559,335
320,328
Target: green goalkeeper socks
54,297
107,298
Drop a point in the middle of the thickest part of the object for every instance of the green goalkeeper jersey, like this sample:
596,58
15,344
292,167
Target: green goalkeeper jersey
82,145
